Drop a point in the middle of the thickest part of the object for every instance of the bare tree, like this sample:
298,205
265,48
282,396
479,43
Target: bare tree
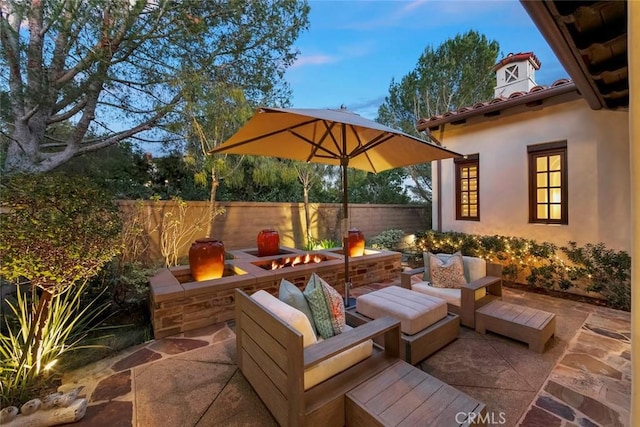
308,175
211,119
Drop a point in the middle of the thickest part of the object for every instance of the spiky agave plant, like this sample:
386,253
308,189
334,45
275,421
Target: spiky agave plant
27,365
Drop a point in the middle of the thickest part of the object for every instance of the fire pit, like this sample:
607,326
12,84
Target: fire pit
179,304
292,261
253,252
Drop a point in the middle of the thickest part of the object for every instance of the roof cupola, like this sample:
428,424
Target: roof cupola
515,73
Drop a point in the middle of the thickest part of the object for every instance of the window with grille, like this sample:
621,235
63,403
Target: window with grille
511,74
468,188
548,183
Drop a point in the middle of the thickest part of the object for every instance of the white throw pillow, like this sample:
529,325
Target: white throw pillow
291,316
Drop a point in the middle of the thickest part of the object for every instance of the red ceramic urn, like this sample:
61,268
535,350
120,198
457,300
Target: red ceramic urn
206,259
268,243
356,242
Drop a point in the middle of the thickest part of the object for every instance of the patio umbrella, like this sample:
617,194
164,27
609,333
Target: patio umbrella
334,137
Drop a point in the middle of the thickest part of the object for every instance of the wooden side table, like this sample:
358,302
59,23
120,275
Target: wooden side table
405,395
521,323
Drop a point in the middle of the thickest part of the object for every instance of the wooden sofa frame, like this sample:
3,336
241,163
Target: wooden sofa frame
272,358
468,304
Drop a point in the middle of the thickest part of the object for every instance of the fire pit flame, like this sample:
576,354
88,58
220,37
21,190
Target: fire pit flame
293,261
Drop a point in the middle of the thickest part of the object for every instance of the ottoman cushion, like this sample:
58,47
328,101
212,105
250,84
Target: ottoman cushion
416,311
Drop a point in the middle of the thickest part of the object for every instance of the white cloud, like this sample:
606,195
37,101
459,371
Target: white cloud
314,60
435,13
389,20
410,7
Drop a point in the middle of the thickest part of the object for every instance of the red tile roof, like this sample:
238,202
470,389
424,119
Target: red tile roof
575,31
516,57
537,93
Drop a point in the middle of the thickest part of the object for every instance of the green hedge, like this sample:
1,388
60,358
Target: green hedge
604,271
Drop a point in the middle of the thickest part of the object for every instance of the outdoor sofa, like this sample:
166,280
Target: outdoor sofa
301,385
484,284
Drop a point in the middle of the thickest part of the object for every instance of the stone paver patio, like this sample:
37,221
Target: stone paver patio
582,379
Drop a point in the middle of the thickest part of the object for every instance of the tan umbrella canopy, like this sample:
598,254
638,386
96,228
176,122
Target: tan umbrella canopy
333,137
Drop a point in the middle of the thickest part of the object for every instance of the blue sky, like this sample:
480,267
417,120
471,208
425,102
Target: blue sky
353,49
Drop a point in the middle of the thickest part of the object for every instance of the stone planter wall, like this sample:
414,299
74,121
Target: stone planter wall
178,304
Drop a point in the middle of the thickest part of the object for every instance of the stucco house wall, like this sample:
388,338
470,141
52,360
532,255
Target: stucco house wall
597,163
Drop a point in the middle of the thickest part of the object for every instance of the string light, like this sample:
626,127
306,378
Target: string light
517,255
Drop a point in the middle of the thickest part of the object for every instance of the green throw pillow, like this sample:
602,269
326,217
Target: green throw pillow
328,315
292,295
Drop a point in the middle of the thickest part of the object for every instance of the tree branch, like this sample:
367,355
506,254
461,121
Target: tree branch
128,133
9,27
34,55
30,113
68,114
62,44
71,96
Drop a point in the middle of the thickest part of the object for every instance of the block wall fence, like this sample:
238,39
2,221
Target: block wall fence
239,226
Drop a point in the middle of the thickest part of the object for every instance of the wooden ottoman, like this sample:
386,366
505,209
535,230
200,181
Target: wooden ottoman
403,395
425,324
521,323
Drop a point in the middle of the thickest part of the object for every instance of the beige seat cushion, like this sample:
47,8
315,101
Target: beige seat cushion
336,364
415,311
450,295
300,322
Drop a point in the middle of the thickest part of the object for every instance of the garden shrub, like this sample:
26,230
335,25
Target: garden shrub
388,240
56,232
171,222
135,235
609,272
315,244
604,271
127,284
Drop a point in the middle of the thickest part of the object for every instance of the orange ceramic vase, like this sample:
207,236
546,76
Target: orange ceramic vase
268,242
356,242
206,259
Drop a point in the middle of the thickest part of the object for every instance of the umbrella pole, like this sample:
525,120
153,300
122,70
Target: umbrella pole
344,162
